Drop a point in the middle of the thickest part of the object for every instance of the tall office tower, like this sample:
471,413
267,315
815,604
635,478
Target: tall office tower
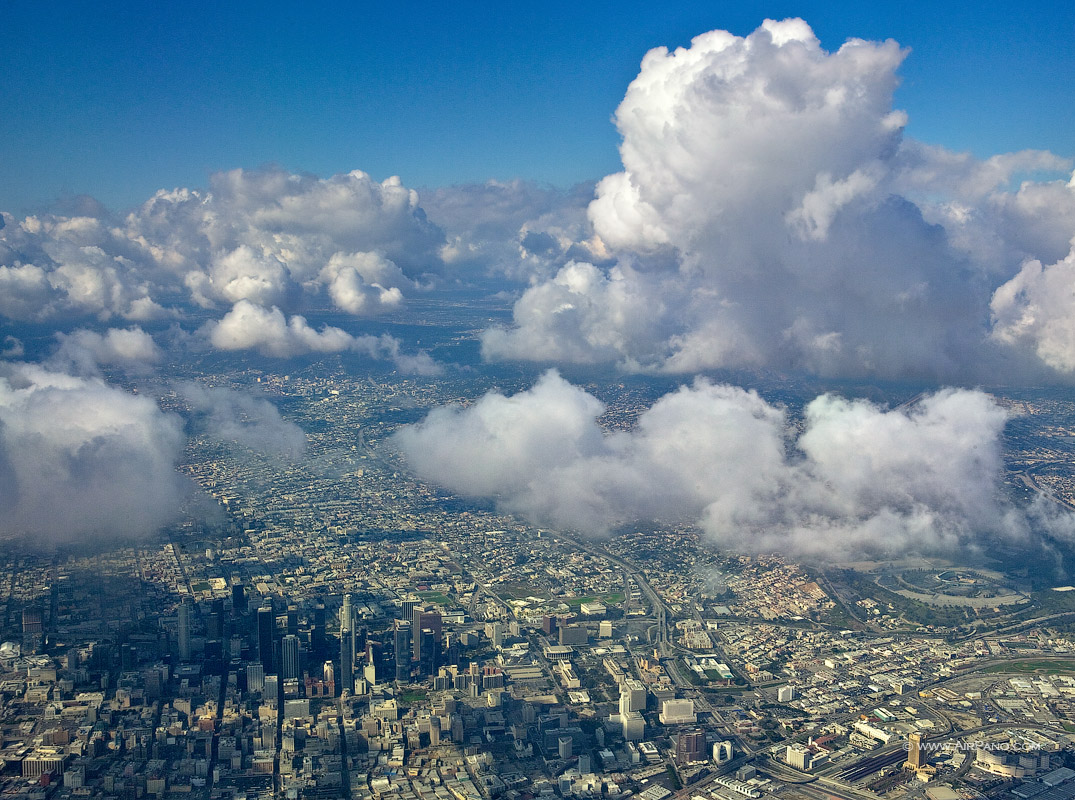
407,608
292,620
690,747
216,619
401,641
564,747
32,620
632,696
255,676
127,657
184,631
430,652
425,619
347,658
238,599
270,692
214,628
346,613
454,649
213,657
375,660
914,750
434,730
317,630
266,633
328,673
289,649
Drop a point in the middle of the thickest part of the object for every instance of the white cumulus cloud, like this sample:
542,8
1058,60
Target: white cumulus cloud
1036,310
268,236
79,458
771,212
249,326
858,478
85,350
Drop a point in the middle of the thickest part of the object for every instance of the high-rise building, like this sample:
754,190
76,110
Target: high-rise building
800,756
563,747
677,712
184,631
429,652
290,663
690,747
407,608
634,726
127,657
270,692
266,634
328,673
238,599
317,629
377,661
255,677
292,620
573,634
723,752
214,627
32,620
346,613
914,750
347,659
425,619
632,696
495,632
434,730
213,661
401,640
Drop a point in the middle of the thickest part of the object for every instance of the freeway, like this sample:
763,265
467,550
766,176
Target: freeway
659,608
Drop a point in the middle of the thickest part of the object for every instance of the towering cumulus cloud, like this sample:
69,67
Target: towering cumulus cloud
771,212
79,458
857,479
1036,309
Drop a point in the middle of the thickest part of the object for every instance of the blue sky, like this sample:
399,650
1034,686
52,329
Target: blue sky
116,100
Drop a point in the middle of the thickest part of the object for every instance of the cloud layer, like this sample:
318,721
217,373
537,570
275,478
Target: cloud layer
771,213
857,479
268,237
79,458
